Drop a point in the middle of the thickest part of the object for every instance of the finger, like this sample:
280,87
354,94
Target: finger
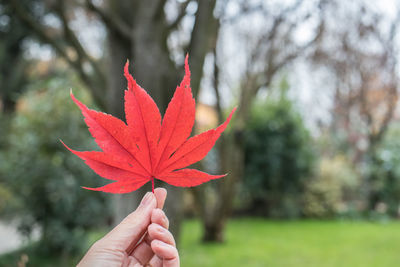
158,216
143,253
168,253
156,262
157,232
132,228
161,195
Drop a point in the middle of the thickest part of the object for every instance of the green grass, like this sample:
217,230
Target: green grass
260,242
14,258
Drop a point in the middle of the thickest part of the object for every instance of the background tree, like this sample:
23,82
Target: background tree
363,68
136,30
268,51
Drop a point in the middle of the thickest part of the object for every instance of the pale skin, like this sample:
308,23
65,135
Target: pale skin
124,245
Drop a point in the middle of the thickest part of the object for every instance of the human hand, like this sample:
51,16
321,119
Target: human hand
124,245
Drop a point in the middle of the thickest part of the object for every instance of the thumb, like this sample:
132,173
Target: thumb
131,229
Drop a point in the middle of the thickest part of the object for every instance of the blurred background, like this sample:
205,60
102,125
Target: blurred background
313,151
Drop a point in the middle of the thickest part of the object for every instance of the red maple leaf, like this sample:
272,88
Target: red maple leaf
145,148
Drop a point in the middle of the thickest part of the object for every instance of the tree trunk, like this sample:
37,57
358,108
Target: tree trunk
218,208
214,231
215,213
117,54
154,71
12,80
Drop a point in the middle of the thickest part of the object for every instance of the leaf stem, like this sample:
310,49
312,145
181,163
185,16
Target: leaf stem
152,184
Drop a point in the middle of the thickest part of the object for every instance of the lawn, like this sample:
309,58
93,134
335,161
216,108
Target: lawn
260,242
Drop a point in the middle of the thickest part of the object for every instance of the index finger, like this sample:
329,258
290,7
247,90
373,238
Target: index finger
160,195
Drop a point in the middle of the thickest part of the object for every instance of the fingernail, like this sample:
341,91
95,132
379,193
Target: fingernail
147,199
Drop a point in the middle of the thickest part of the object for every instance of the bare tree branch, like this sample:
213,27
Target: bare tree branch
181,15
73,40
41,32
38,29
216,87
245,10
205,25
111,20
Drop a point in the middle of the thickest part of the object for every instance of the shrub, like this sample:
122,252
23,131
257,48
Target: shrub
278,157
385,172
332,190
43,175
